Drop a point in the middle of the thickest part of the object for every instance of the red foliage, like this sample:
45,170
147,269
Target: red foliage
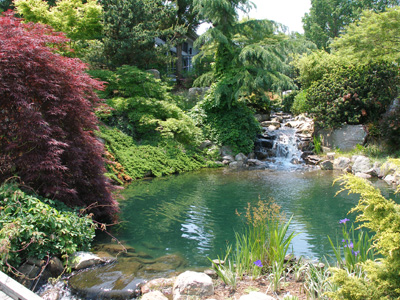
47,119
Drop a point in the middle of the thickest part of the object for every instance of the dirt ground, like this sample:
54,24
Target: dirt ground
262,284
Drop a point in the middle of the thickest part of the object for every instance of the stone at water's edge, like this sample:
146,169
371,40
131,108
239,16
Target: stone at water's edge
341,163
154,296
345,138
326,165
192,285
361,164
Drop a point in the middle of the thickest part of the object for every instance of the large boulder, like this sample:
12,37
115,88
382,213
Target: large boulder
341,163
362,164
192,285
344,138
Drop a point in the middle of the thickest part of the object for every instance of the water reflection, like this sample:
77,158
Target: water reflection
196,214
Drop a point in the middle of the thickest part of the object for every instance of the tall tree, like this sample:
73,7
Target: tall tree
328,18
130,29
47,121
375,37
185,21
79,20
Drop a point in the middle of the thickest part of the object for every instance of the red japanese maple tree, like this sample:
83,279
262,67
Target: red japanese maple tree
47,119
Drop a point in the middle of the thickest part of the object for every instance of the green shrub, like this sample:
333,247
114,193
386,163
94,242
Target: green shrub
353,95
36,227
143,107
288,101
233,126
380,279
167,157
300,104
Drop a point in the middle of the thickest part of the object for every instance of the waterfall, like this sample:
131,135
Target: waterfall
283,141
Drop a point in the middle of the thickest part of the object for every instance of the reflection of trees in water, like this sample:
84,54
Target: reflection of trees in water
195,212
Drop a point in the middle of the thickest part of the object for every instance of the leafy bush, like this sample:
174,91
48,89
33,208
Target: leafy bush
353,95
166,158
233,126
47,124
37,227
381,216
288,101
144,108
300,103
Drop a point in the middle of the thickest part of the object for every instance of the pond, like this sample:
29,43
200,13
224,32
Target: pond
196,215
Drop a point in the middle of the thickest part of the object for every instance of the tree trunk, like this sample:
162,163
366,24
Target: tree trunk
179,62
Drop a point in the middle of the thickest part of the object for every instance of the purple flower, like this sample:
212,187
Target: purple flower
351,245
355,252
258,263
343,241
343,221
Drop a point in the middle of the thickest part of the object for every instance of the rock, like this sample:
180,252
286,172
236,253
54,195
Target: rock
197,92
160,284
81,260
55,267
206,144
264,143
372,172
390,179
256,296
345,138
363,175
326,165
225,162
120,280
234,164
155,73
212,273
225,150
157,295
341,163
262,117
254,162
241,157
331,155
261,154
229,158
269,123
252,155
192,285
312,159
361,164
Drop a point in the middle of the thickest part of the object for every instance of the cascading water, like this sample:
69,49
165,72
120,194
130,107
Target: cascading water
286,146
282,144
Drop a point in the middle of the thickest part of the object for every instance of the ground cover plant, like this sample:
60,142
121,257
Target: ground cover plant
32,226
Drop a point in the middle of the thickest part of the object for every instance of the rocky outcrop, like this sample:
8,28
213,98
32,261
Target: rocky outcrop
157,295
192,285
344,138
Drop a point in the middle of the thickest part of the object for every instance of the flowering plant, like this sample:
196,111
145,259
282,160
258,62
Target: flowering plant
356,247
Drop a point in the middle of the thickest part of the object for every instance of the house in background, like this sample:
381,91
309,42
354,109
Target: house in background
188,52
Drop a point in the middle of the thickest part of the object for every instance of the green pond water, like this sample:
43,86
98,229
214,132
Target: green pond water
194,214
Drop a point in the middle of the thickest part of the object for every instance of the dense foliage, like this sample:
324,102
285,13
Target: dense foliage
31,226
328,19
381,216
47,125
374,37
144,109
130,29
144,160
353,95
233,126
